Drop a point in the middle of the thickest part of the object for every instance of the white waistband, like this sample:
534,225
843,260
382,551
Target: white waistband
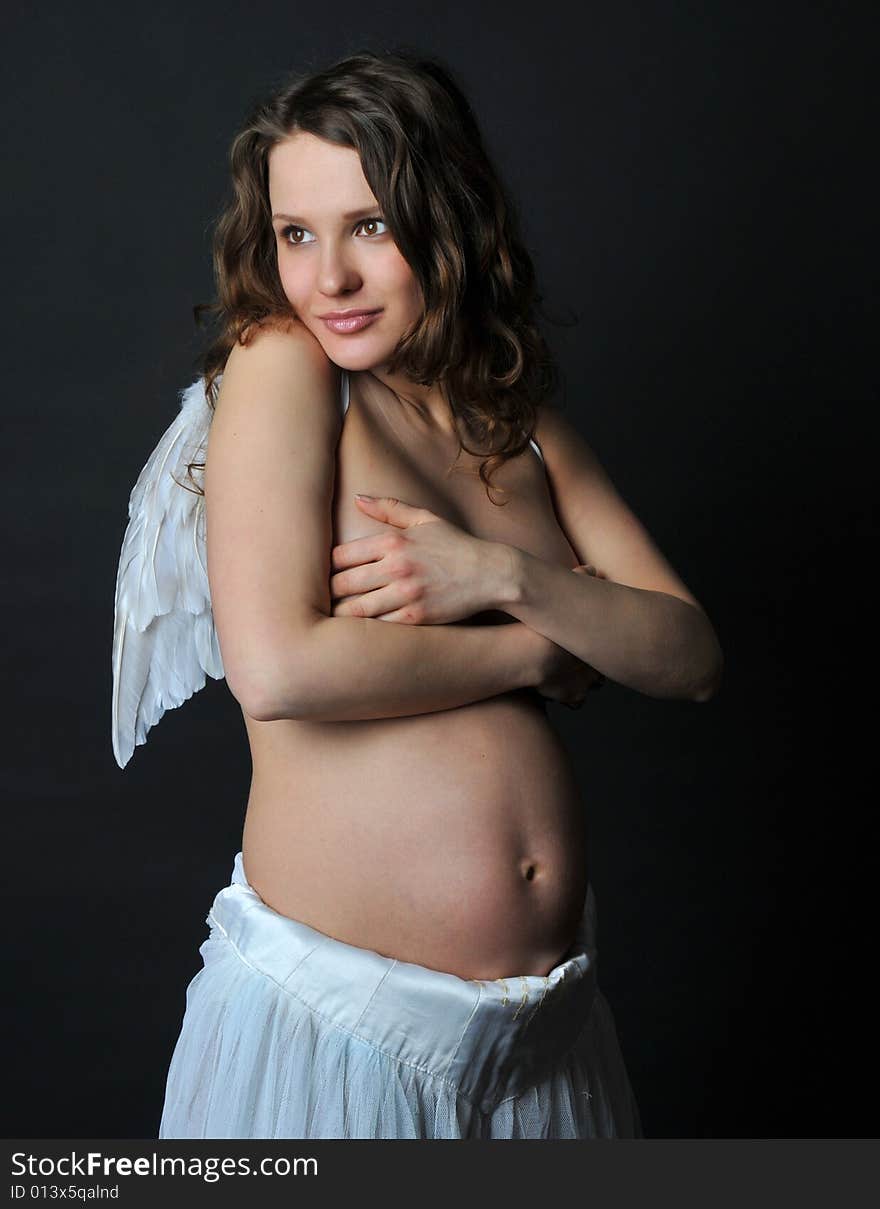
490,1038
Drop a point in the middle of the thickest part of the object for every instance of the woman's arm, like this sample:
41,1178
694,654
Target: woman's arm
642,626
642,629
650,641
346,668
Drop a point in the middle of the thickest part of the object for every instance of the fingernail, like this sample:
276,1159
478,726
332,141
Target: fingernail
358,496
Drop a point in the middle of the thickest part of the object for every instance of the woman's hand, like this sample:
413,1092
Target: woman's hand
421,570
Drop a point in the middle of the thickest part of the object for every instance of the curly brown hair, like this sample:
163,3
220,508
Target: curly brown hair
423,156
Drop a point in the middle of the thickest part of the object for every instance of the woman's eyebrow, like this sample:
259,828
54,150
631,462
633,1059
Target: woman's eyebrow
345,217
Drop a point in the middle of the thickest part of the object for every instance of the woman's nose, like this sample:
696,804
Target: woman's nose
337,274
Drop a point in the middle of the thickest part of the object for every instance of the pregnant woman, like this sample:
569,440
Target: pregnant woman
393,513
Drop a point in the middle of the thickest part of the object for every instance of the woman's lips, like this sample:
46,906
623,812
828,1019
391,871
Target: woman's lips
355,324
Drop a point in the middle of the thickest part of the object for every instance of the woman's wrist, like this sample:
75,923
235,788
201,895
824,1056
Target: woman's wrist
501,575
531,651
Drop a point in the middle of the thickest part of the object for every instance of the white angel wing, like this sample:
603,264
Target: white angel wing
164,640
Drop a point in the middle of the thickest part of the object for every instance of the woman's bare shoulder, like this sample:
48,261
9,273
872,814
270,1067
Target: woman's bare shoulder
282,341
284,363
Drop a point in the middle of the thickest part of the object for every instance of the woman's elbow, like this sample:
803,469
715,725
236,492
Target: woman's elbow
281,683
277,698
266,687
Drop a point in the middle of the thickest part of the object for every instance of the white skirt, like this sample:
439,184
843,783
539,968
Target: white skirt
289,1033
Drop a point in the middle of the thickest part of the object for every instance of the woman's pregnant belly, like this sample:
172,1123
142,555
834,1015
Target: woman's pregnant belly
456,839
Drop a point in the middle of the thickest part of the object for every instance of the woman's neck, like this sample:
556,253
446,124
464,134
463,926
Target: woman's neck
428,402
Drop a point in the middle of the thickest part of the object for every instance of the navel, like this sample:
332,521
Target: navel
528,871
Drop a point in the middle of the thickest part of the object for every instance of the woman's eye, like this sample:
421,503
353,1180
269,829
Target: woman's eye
295,243
372,222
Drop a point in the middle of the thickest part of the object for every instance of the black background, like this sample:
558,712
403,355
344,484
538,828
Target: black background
694,181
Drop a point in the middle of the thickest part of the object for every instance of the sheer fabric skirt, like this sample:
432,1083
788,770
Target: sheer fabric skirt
289,1033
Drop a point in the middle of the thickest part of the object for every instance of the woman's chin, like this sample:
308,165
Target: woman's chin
355,360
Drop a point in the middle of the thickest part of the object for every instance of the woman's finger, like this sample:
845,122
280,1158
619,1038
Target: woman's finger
359,550
358,580
393,511
400,616
373,604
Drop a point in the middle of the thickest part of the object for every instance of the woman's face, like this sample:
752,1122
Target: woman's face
335,252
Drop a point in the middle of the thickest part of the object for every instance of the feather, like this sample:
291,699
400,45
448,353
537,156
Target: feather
164,638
